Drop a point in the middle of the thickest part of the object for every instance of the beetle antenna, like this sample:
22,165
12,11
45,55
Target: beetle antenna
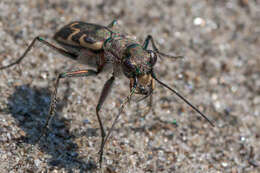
169,56
180,96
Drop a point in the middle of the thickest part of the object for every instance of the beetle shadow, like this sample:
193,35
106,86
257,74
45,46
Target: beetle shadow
30,106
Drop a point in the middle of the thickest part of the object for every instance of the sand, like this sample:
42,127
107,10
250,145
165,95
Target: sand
219,74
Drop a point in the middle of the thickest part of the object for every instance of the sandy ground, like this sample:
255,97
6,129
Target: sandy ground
220,74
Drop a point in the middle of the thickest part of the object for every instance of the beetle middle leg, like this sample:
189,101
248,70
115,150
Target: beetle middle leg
105,91
78,73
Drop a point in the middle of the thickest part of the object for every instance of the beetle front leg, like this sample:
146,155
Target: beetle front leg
105,91
149,106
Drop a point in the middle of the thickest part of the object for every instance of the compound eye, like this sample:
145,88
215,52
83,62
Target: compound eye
153,57
129,65
128,68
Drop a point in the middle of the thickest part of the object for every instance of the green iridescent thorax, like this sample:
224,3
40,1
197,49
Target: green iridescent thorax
129,53
139,58
117,44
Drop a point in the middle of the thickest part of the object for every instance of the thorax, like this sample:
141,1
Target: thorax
115,46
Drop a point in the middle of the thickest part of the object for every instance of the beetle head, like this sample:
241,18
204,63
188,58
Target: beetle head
137,66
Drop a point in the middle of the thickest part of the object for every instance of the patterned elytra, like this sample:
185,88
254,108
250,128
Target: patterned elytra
82,34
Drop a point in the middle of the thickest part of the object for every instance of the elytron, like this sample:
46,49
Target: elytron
99,46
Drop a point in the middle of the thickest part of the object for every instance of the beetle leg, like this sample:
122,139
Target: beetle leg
105,91
128,98
146,43
78,73
112,24
148,107
40,39
115,120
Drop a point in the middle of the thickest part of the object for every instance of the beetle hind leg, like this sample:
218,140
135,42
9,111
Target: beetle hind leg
40,39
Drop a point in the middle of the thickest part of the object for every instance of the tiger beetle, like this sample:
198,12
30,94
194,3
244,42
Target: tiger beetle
99,46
